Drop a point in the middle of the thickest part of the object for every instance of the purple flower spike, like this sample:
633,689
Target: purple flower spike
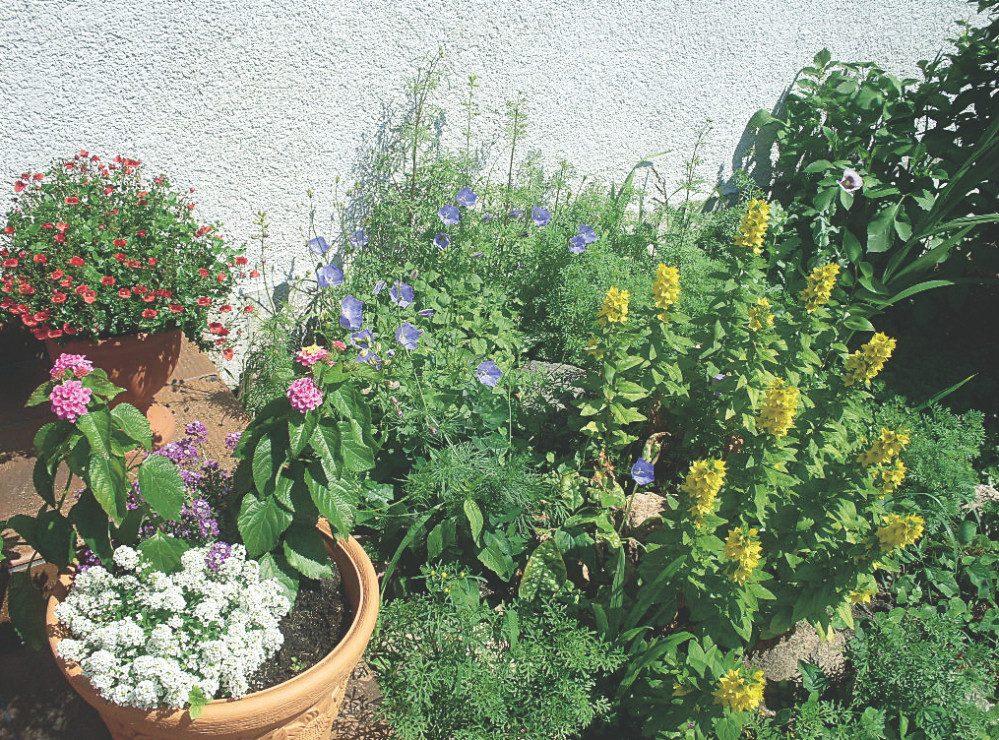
351,313
318,246
329,276
379,287
466,197
450,215
401,294
408,335
217,554
588,234
426,313
358,239
541,216
577,245
232,439
642,472
488,373
442,241
852,181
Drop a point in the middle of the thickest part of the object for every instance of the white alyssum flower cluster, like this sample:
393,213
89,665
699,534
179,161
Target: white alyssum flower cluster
146,638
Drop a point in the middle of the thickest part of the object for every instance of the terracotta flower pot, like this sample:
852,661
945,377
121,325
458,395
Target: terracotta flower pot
139,363
302,708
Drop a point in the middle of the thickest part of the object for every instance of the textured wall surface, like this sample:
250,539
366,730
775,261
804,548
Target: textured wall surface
255,101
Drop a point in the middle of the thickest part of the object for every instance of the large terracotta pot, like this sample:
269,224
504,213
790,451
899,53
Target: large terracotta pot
302,708
139,363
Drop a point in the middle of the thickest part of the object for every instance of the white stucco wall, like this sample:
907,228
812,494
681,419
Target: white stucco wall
254,101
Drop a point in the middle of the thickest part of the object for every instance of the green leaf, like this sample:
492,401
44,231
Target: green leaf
26,606
274,566
98,382
161,485
545,572
326,445
261,522
50,439
880,229
354,450
41,394
265,464
333,498
134,423
164,551
44,482
760,118
127,533
474,515
26,527
92,525
301,427
852,246
56,539
495,557
106,476
306,553
96,427
435,542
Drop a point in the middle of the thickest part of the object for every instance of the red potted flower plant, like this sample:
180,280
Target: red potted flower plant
100,259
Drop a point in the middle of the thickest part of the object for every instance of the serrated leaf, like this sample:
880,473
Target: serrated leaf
545,572
106,477
98,382
56,540
44,482
301,427
265,464
41,393
495,557
92,525
261,522
162,486
134,423
96,427
335,501
303,547
356,453
164,551
475,520
50,439
326,444
274,566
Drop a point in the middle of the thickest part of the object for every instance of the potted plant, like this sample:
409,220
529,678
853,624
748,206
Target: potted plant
157,621
99,259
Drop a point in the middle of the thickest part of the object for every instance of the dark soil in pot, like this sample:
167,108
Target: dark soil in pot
316,624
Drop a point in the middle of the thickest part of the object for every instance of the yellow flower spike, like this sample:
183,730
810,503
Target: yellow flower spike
666,289
820,286
615,307
739,693
864,364
900,531
754,226
744,549
885,448
593,348
703,482
760,316
779,407
891,478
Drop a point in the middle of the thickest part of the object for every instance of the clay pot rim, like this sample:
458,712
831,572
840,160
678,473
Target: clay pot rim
141,336
297,693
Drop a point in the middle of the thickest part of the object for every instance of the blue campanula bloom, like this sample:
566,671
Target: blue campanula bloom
318,246
366,355
588,234
487,217
401,294
351,313
330,275
466,197
379,287
642,472
577,245
450,215
516,213
488,373
442,241
408,335
426,313
541,216
358,239
362,339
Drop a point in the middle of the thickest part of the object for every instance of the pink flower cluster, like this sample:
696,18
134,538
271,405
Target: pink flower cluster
308,356
303,395
78,364
70,399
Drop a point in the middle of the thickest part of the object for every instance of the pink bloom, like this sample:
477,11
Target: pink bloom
78,364
69,400
337,344
308,356
304,395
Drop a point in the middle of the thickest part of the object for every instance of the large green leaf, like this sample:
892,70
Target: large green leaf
544,573
56,538
495,556
96,427
164,551
881,228
274,566
92,525
326,444
106,476
44,481
265,464
334,499
261,521
50,439
134,423
306,553
474,515
301,427
26,606
354,447
161,485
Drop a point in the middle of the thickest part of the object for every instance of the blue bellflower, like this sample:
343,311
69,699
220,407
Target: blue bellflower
408,335
466,197
358,239
318,246
442,241
642,472
328,276
450,215
588,234
351,313
401,294
577,245
488,373
541,216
